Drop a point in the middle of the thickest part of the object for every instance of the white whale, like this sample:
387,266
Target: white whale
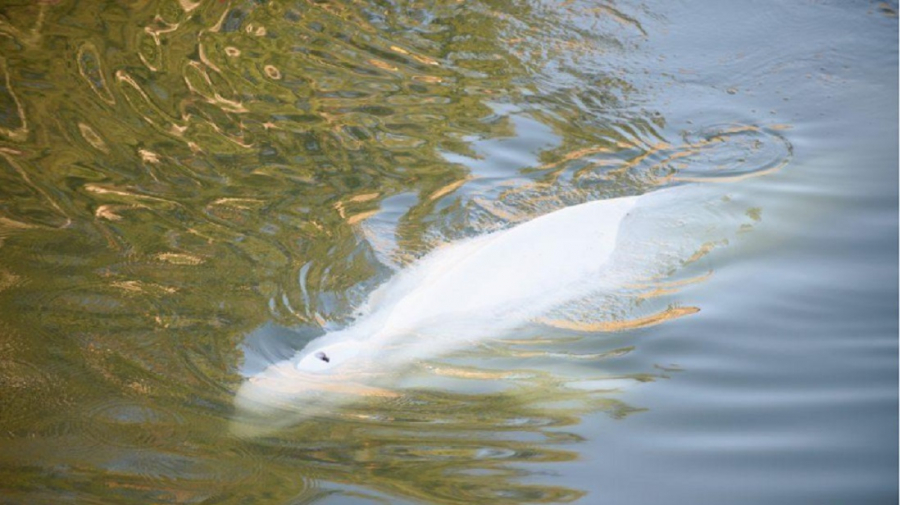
486,287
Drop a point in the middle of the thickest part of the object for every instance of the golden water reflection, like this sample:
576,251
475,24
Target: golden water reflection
177,174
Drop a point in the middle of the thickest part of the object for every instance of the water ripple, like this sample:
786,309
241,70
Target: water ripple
131,423
731,152
174,174
91,69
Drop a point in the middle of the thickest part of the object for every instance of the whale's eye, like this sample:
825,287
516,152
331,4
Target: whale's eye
324,357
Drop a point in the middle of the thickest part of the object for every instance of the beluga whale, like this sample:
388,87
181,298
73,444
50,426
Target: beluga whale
487,287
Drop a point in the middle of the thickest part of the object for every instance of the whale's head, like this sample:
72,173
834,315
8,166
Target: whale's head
325,374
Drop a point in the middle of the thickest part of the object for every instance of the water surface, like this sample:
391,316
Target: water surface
192,190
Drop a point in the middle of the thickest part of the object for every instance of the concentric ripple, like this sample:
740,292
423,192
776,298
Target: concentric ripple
731,152
130,423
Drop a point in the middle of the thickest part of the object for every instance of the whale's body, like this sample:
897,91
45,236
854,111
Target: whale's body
483,287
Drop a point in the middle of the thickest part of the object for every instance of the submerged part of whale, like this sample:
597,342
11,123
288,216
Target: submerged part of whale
487,287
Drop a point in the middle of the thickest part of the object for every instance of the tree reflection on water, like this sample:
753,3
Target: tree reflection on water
174,175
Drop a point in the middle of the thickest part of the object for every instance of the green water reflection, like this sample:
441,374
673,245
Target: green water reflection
174,174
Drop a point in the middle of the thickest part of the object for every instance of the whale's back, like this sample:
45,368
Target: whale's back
521,269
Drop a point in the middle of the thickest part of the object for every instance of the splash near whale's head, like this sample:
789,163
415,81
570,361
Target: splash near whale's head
483,288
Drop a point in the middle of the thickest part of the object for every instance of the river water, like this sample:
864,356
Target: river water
191,191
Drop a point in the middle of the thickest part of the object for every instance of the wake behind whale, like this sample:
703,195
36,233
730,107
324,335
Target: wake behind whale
486,287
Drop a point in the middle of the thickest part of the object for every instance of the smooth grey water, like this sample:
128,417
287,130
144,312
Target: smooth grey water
192,191
789,388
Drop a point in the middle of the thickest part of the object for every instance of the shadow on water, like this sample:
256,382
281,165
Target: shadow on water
175,175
